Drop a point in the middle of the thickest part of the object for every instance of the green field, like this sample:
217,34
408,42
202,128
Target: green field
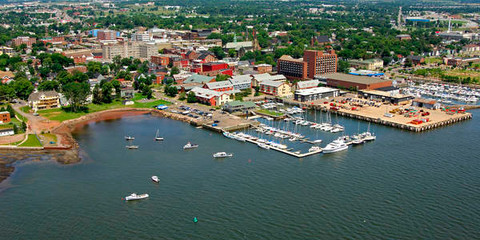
271,113
32,141
61,115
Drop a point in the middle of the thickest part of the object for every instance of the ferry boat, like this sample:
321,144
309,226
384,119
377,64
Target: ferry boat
129,138
335,146
190,146
222,155
132,147
134,196
155,179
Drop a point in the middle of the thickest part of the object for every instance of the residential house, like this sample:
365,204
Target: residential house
44,100
6,76
263,68
276,88
127,92
416,60
210,97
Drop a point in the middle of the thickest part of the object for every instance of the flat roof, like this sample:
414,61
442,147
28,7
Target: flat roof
354,79
316,90
385,94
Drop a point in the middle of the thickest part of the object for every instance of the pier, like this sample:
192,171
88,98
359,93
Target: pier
288,152
376,115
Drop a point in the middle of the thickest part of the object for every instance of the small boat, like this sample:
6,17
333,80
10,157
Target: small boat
158,138
314,149
335,146
155,179
190,146
129,138
263,145
132,147
134,196
317,141
222,155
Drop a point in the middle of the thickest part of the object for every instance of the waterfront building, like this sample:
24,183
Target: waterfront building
44,100
348,81
306,84
238,106
312,94
386,94
426,103
258,78
276,88
210,97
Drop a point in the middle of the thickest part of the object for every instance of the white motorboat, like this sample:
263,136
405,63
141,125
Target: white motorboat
335,146
134,196
132,147
317,141
190,146
367,136
357,139
314,149
129,138
222,155
263,145
155,179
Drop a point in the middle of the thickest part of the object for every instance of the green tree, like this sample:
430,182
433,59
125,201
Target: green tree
11,111
23,88
107,90
97,95
218,52
76,93
174,71
49,85
191,98
147,91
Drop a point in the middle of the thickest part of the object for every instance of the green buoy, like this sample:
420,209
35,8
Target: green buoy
195,220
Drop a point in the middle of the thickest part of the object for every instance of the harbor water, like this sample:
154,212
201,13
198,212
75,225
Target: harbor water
403,185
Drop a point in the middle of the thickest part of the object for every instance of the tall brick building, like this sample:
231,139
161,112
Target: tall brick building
320,63
292,68
313,63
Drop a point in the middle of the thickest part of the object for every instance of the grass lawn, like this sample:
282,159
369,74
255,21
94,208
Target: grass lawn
32,141
431,60
26,109
61,115
271,113
48,137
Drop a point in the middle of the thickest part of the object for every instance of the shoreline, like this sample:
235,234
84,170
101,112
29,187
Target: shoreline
68,151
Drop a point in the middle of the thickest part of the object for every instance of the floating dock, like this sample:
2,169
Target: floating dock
288,152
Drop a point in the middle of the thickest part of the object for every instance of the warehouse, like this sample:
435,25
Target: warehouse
312,94
347,81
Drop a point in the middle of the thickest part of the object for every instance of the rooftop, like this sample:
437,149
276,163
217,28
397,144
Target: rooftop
316,90
354,79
